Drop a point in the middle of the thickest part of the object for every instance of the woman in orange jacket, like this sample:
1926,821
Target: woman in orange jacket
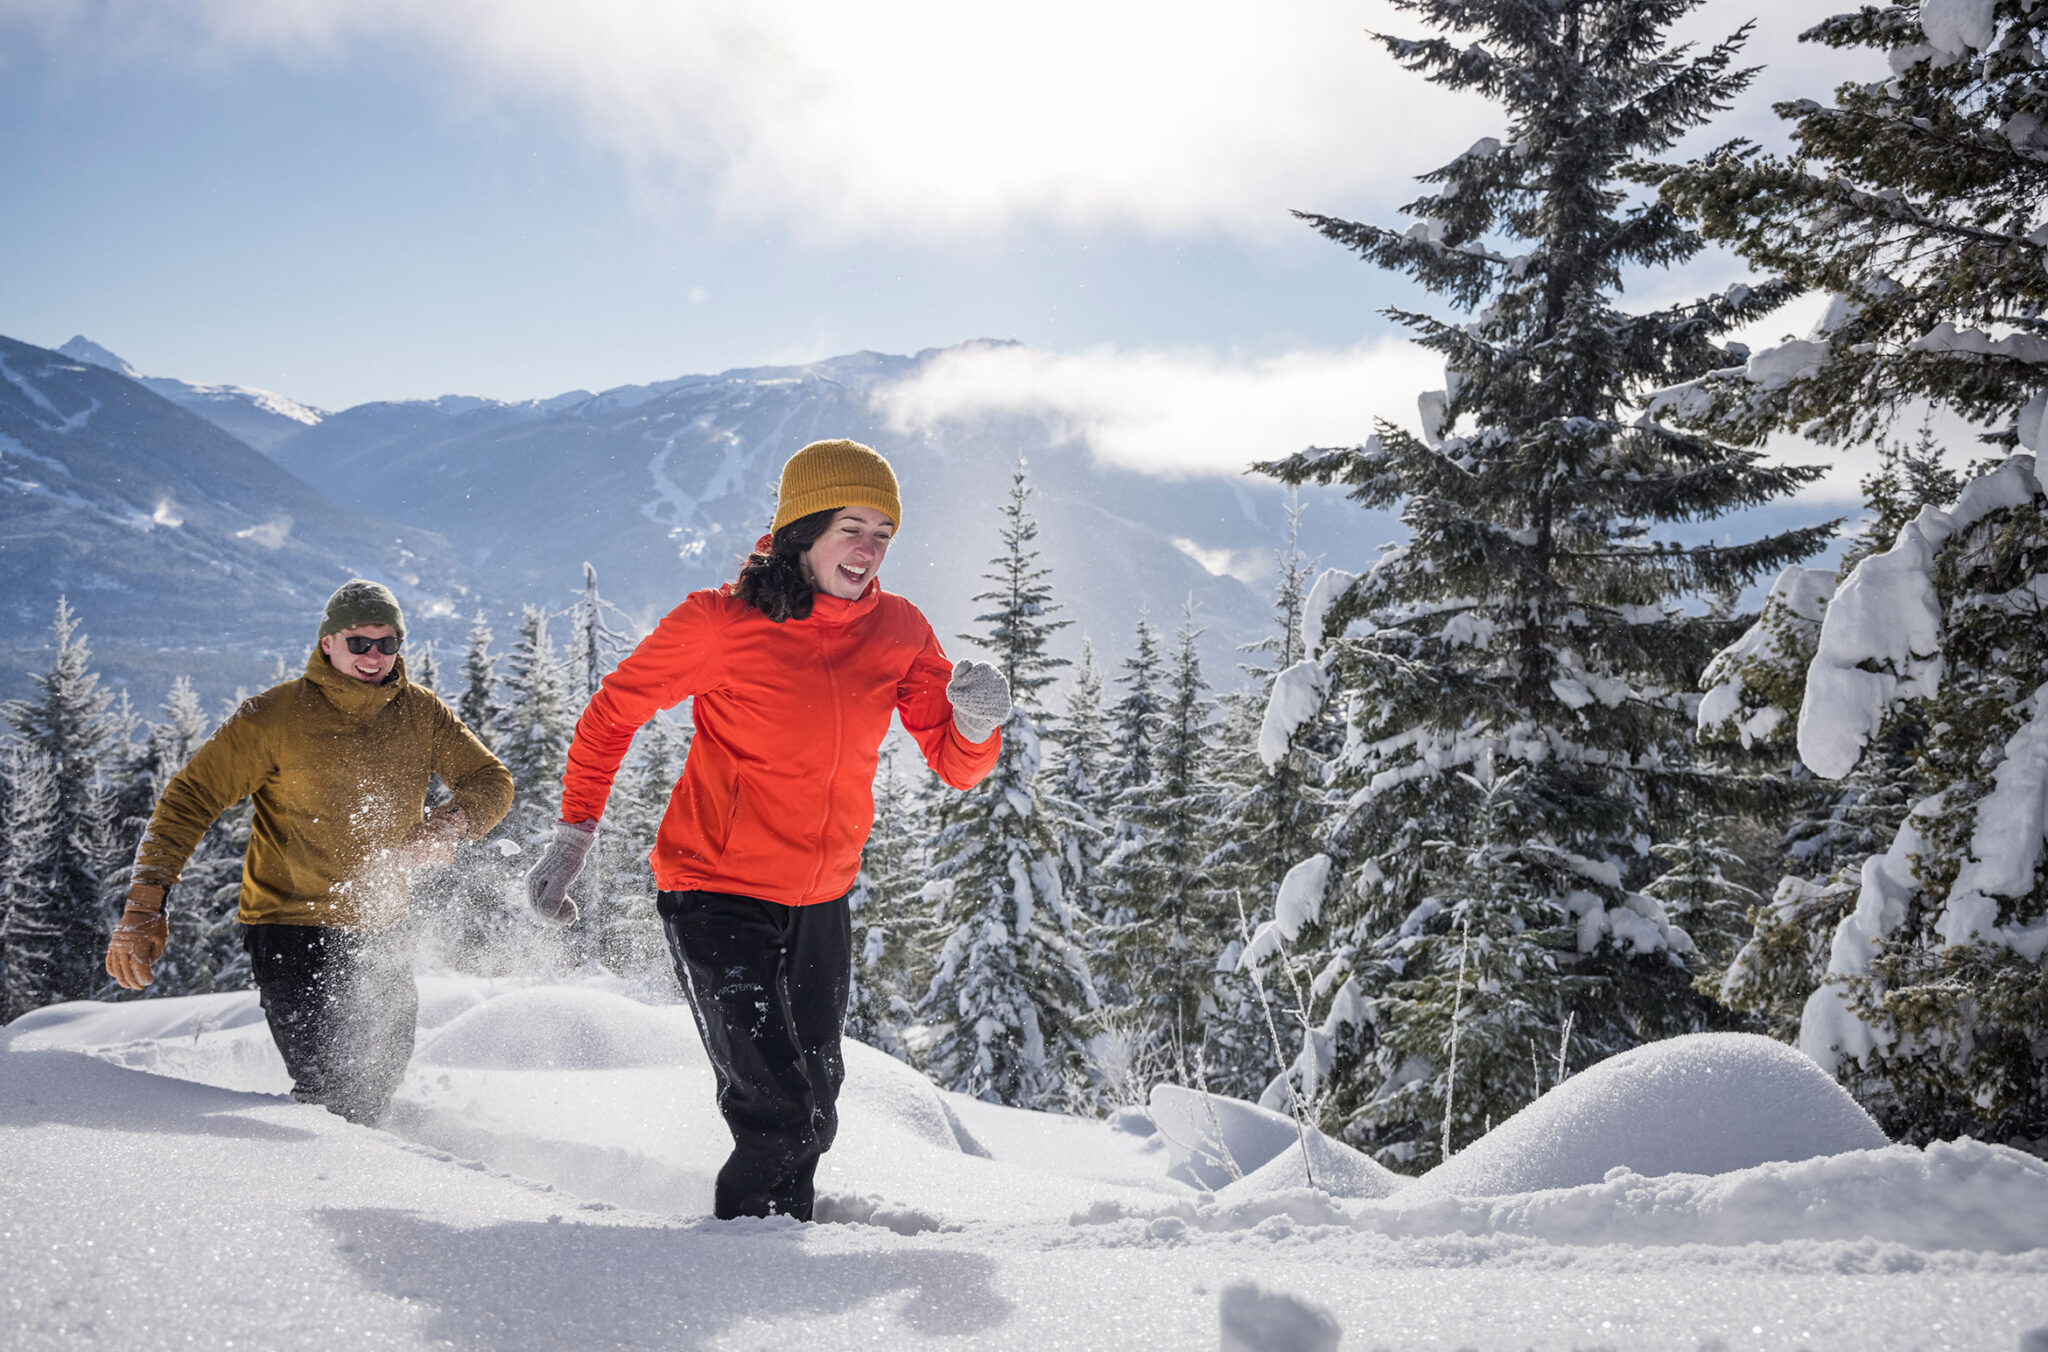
793,671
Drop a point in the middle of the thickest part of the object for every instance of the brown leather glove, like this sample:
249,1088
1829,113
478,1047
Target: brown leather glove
434,841
139,939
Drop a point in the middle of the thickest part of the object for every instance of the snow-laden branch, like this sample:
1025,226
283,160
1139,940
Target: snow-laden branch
1880,642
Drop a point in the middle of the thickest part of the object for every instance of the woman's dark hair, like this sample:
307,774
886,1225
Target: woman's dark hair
774,583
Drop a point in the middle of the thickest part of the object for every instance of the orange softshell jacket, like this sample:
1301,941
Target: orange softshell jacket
776,798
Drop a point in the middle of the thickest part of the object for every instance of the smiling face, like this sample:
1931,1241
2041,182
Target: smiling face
843,560
369,667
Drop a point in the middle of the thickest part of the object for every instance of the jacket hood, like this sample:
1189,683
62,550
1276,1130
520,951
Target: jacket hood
353,697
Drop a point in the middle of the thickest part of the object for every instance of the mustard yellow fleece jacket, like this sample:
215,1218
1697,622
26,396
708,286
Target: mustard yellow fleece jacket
339,773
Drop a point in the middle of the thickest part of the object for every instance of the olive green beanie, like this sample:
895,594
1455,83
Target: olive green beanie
359,602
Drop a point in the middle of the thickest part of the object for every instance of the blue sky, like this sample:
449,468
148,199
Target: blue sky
364,200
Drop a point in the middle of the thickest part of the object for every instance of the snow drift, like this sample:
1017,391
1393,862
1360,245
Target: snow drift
544,1177
1711,1103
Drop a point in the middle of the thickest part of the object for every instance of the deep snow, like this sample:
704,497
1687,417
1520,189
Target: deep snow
543,1181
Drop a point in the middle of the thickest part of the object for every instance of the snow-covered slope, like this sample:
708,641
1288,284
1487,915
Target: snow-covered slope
543,1181
181,548
664,486
262,418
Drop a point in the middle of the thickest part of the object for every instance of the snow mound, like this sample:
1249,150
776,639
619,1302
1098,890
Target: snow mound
1243,1152
78,1025
444,998
1213,1140
1336,1169
1251,1320
219,1040
563,1028
1954,1195
1710,1103
882,1092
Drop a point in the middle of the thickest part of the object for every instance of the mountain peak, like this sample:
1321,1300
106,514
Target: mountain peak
82,348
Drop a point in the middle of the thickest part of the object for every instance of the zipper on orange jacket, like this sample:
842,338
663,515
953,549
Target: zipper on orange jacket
838,737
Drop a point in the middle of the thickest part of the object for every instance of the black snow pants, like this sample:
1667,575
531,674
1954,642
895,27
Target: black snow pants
342,1008
768,984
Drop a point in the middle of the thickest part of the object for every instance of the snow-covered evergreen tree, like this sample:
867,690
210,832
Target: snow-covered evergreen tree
1079,788
1517,702
1916,200
1127,892
597,645
1931,1003
35,938
478,702
1005,1009
616,877
1702,892
1755,689
204,943
66,723
421,669
1135,717
1171,916
532,728
627,931
887,919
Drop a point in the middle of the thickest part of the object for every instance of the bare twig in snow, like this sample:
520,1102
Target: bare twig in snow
1244,927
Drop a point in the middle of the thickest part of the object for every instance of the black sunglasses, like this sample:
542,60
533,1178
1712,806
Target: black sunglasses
359,645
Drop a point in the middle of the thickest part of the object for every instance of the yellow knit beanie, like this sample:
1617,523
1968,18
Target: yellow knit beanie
835,474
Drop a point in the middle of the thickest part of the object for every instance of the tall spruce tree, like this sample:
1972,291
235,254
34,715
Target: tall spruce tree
34,930
532,728
1167,945
620,921
886,920
1011,991
422,670
1755,690
597,645
1517,709
67,724
478,701
1128,891
1080,790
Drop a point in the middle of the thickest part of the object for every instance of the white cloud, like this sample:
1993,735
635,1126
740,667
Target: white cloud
1174,413
932,118
1250,566
925,118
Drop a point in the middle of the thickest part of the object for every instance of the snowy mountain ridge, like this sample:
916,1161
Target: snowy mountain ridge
663,486
261,418
182,549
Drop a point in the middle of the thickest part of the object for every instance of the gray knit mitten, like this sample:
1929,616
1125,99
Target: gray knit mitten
547,882
981,699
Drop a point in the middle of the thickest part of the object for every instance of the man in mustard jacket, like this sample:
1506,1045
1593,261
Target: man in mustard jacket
338,764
